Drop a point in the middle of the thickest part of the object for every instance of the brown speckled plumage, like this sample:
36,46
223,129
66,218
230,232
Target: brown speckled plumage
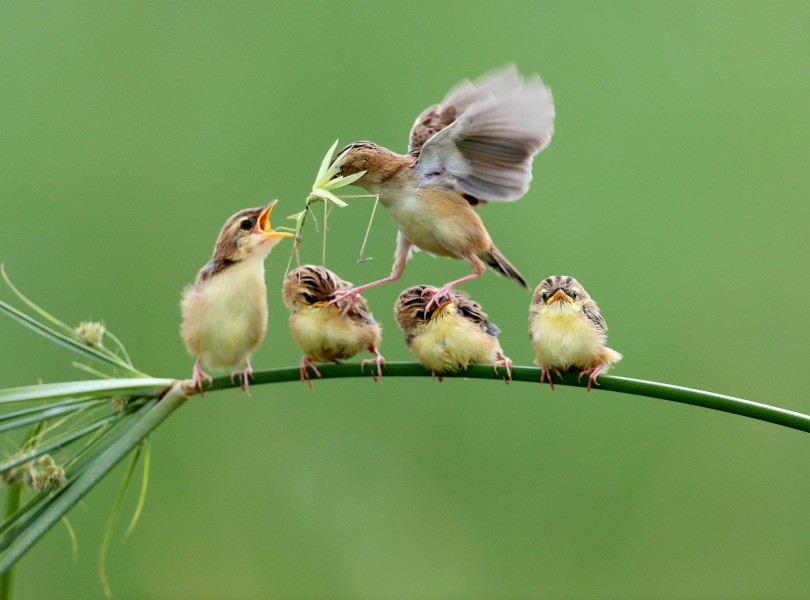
410,312
309,284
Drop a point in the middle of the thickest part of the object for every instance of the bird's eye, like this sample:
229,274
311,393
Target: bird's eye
420,314
545,296
309,298
246,224
573,295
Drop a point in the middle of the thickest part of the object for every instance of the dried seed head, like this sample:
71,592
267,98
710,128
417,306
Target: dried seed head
91,331
46,476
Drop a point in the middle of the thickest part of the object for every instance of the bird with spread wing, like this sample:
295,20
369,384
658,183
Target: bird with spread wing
477,145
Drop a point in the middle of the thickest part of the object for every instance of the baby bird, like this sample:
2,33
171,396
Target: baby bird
318,327
568,331
476,145
451,336
225,311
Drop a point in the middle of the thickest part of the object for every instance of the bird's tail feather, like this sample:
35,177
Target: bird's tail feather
498,262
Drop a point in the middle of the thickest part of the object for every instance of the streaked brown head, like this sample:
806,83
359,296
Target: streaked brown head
379,163
559,289
245,234
311,285
412,316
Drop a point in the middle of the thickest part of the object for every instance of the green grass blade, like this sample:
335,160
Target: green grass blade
108,529
150,418
136,516
55,445
136,386
67,329
48,413
44,408
67,341
74,540
35,307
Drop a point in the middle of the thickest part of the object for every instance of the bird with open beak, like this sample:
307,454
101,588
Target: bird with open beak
225,310
450,334
318,327
475,146
568,331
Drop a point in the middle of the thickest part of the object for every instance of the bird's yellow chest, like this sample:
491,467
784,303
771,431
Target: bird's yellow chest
437,223
452,343
326,336
225,317
565,340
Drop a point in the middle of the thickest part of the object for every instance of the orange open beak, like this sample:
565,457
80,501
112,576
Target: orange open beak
559,296
263,224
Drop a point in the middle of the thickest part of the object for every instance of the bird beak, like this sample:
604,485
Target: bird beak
441,308
559,296
263,224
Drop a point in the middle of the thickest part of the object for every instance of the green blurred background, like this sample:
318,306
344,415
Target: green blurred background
675,189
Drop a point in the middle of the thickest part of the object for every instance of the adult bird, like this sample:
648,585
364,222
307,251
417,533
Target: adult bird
476,145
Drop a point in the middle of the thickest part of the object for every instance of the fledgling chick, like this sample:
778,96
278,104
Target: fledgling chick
568,331
451,335
476,145
319,328
225,310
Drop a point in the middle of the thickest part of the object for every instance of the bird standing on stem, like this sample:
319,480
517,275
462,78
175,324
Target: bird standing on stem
450,336
318,327
225,310
568,331
476,145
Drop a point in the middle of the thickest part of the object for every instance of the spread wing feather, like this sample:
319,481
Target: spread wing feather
484,135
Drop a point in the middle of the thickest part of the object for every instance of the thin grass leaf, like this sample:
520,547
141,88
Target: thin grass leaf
147,453
55,445
10,522
67,341
74,540
91,370
36,308
43,408
68,330
92,446
61,422
48,413
108,529
136,386
360,258
120,346
107,457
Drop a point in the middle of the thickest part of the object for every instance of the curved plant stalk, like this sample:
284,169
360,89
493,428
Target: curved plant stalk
610,383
